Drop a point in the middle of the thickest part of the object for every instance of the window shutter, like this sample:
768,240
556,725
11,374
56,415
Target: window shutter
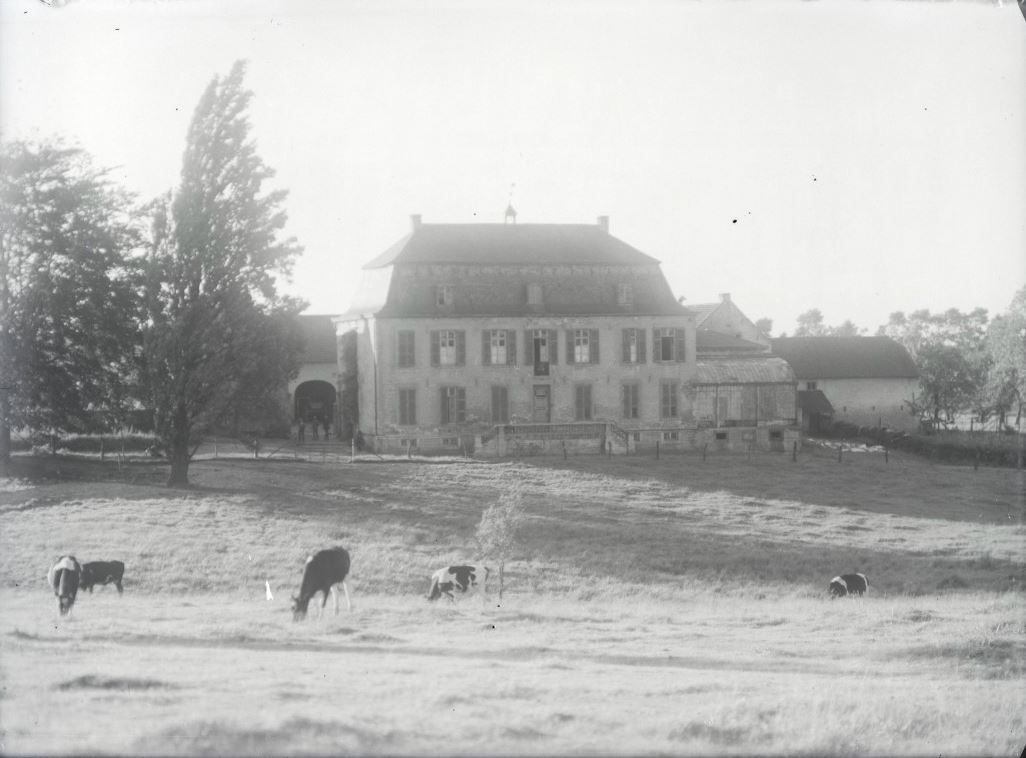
656,355
553,346
445,406
642,341
461,404
511,347
461,348
626,346
528,347
486,347
593,346
569,347
435,348
680,354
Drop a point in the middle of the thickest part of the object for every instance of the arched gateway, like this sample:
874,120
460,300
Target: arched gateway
315,401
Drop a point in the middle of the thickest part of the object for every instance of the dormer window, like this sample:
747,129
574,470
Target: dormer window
443,295
625,294
534,294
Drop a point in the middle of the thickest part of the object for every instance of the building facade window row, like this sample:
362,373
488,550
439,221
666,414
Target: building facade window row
452,403
448,347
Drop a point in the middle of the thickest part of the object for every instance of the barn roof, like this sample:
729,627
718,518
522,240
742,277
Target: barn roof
708,341
498,244
814,401
318,339
765,369
846,357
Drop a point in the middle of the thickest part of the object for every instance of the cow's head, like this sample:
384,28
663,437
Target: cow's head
299,608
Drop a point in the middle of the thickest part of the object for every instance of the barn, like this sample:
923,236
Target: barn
866,381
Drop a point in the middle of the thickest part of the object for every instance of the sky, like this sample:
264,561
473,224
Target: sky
857,157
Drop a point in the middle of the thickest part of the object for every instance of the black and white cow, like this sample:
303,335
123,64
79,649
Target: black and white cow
63,577
102,572
848,584
461,578
324,571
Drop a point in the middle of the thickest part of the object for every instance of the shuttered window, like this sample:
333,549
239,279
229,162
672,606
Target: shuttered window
668,400
631,406
448,347
669,344
582,346
406,353
407,407
582,402
633,346
500,405
498,347
454,405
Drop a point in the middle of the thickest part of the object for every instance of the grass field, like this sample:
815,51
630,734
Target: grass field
673,607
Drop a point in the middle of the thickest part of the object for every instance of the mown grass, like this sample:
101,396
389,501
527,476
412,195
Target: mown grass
653,607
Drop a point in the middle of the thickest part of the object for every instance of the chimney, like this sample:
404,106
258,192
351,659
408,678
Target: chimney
725,297
603,222
415,221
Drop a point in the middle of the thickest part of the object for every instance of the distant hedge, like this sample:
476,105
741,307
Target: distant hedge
985,448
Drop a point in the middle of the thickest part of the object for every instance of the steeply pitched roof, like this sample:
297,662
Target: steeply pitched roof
846,357
524,244
702,311
708,341
318,339
814,401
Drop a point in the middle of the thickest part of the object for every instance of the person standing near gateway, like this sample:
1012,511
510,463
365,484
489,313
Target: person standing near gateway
301,430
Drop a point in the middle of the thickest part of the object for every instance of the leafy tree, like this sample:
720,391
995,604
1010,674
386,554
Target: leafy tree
496,534
949,351
810,324
69,318
764,325
219,334
1006,347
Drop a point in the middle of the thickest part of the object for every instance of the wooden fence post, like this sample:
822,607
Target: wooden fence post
794,451
657,450
705,449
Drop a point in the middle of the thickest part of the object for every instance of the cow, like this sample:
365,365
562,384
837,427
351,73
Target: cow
848,584
461,578
63,578
102,572
324,571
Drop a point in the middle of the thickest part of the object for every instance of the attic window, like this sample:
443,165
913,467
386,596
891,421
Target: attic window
625,294
534,294
443,295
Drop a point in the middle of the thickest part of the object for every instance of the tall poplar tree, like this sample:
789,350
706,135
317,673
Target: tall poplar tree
219,333
69,316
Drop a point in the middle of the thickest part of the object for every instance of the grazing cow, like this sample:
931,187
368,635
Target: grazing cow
63,577
324,570
102,572
461,578
848,584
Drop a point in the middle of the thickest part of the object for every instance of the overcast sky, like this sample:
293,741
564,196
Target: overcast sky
858,157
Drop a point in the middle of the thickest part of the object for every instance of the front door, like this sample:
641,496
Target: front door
540,411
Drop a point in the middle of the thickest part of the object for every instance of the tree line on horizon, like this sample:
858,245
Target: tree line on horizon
109,305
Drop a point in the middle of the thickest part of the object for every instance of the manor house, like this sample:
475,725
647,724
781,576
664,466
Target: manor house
476,335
